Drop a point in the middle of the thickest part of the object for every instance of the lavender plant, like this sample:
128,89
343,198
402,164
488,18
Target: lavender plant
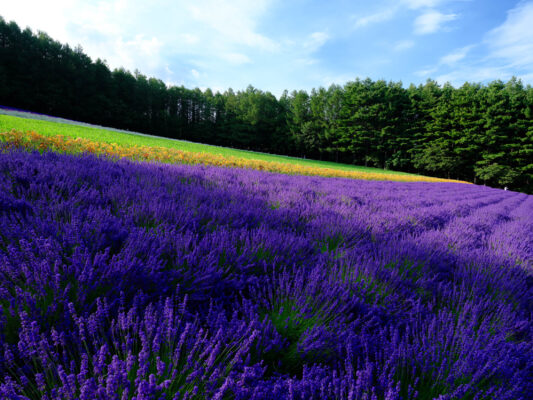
122,280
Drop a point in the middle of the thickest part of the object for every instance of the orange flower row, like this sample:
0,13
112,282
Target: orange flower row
36,141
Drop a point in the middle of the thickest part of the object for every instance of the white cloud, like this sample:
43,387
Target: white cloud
428,22
453,58
403,45
147,47
102,17
510,51
315,41
381,16
138,52
235,20
42,15
425,73
513,40
189,38
416,4
301,52
431,22
130,52
236,58
507,51
306,61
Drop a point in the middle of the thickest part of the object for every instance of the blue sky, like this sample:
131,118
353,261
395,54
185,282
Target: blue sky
294,44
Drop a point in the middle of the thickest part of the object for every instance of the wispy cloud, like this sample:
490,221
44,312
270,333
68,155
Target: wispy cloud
316,40
46,16
195,73
454,57
506,51
431,22
431,19
449,60
426,73
513,40
235,20
236,58
416,4
189,38
380,16
403,45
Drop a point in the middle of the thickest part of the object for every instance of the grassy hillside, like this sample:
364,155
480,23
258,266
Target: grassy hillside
49,127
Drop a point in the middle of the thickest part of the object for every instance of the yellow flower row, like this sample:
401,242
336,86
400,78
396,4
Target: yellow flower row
35,141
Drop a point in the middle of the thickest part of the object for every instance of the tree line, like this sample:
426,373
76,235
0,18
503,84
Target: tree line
482,133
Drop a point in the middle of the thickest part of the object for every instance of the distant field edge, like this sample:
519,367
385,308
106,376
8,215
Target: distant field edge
132,136
48,126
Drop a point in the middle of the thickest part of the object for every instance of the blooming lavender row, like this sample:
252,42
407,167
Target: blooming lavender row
143,281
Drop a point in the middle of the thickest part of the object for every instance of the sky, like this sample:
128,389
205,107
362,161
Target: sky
275,45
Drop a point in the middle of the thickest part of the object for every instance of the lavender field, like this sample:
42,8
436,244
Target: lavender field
122,280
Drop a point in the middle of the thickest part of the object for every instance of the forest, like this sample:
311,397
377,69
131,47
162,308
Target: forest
479,132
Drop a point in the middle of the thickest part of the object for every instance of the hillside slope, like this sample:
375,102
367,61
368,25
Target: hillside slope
50,126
